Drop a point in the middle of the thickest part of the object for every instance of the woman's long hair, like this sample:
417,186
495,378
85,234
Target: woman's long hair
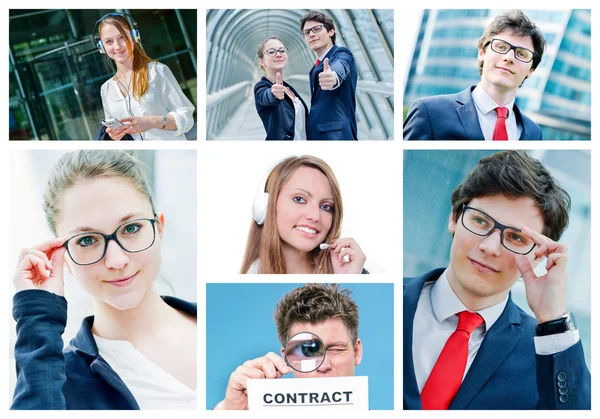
264,242
140,59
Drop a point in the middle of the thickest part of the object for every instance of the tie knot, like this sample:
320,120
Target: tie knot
502,112
317,62
468,321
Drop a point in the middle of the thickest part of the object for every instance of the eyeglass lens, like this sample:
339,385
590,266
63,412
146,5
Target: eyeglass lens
88,248
481,224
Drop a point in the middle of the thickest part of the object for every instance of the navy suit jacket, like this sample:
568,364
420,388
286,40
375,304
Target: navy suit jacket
506,373
278,116
77,377
454,117
333,112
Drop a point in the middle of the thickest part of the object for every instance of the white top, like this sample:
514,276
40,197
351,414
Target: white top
254,267
299,124
164,96
152,387
435,321
486,113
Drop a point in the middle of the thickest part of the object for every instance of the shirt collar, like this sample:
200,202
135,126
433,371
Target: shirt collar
446,304
486,104
322,57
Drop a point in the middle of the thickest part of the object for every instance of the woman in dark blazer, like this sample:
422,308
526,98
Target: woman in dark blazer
283,112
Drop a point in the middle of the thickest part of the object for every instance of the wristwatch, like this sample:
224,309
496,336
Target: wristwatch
165,121
553,327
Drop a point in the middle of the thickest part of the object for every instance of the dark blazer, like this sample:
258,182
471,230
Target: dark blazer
454,117
278,116
333,112
506,373
77,377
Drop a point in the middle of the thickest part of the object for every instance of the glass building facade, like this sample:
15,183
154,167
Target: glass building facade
558,94
56,71
232,41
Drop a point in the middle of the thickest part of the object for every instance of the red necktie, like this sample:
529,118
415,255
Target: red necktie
500,133
317,62
447,374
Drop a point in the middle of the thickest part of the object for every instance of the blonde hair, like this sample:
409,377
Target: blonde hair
140,59
264,242
80,165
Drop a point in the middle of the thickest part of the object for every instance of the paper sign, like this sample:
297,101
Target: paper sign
328,393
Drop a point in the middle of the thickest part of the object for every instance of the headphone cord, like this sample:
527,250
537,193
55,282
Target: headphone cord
128,99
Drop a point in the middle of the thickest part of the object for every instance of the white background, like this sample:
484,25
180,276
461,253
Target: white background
367,176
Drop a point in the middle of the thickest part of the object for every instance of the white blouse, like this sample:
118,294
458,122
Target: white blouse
299,125
152,387
163,97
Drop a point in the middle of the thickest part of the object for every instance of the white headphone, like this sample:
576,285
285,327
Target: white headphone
261,202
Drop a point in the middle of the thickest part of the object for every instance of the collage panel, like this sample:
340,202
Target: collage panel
84,74
299,210
497,75
337,339
113,228
493,316
299,74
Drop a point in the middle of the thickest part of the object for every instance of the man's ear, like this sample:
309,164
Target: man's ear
452,223
358,352
480,55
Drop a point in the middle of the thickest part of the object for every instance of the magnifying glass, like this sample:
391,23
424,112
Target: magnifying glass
304,352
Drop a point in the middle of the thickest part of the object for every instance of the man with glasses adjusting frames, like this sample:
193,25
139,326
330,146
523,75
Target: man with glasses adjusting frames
510,49
333,81
467,345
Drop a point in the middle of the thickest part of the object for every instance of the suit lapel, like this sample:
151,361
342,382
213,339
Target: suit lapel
468,115
495,348
314,75
526,133
411,293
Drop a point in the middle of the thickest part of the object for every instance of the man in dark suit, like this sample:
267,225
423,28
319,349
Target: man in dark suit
510,49
332,82
467,345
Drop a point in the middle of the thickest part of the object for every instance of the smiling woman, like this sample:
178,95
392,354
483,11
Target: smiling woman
108,234
296,210
143,99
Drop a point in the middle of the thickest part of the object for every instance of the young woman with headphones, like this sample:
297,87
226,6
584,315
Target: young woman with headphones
138,350
143,95
297,223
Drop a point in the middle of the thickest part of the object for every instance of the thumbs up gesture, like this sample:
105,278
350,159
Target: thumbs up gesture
277,89
328,78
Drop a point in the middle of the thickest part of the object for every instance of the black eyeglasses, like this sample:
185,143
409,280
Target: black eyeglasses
134,236
271,52
481,224
502,47
315,29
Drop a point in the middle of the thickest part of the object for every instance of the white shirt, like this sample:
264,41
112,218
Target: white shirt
486,113
299,122
163,97
152,387
435,321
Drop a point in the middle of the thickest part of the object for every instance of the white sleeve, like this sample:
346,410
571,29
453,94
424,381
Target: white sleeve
553,344
103,95
177,103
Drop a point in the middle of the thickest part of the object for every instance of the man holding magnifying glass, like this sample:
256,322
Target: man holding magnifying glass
317,325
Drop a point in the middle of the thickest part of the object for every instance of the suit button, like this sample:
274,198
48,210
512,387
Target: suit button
561,384
563,391
561,376
563,398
